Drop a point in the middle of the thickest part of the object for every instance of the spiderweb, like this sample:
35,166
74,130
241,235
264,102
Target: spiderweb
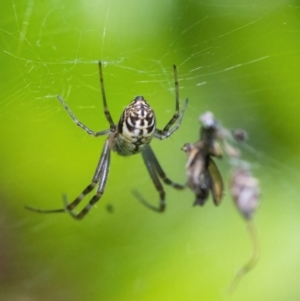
238,59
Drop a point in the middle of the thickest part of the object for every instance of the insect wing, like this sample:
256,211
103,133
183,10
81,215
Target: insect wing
217,186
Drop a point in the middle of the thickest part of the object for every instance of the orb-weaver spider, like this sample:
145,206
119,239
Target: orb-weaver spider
131,135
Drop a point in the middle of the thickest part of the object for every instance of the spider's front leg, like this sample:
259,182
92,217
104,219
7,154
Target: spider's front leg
79,123
177,118
168,131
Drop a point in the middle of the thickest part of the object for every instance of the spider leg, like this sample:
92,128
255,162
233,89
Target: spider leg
155,170
106,111
158,186
157,167
102,165
44,211
162,134
166,132
80,124
176,114
97,196
70,206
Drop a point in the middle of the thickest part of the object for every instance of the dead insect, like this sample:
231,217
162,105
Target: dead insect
203,175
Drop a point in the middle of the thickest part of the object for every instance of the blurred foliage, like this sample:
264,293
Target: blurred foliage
239,59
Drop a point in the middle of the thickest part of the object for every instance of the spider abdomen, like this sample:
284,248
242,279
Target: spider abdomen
136,128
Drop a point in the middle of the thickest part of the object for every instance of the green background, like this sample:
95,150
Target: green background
239,59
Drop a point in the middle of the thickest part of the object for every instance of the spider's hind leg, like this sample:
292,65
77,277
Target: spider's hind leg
156,171
151,158
68,206
162,204
85,210
100,176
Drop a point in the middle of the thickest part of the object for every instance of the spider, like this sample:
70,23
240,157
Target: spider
132,135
